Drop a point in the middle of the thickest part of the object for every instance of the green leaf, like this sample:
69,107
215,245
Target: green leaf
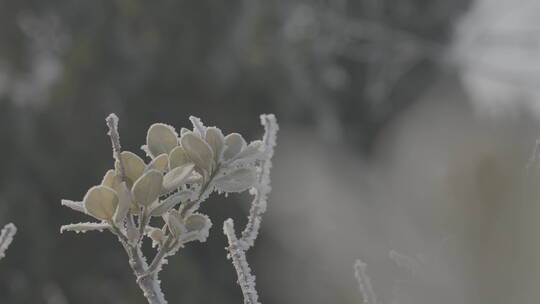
177,158
161,138
215,140
198,151
133,165
235,143
148,187
177,177
101,202
124,202
159,163
236,181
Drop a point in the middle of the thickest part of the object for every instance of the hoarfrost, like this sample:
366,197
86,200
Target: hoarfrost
262,187
364,283
6,237
238,256
84,227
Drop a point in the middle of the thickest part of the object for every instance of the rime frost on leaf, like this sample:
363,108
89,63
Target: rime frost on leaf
364,283
235,143
238,180
177,158
198,151
101,202
161,139
6,237
177,177
148,187
77,206
181,175
198,127
84,227
170,202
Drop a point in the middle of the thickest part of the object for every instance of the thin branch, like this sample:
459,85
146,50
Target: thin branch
112,123
6,237
262,189
364,283
238,256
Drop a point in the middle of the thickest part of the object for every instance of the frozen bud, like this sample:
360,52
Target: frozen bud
147,188
236,181
101,202
234,144
133,165
215,140
178,157
161,138
198,151
159,163
124,202
177,177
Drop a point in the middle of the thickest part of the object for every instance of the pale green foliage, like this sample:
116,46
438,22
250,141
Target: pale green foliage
181,173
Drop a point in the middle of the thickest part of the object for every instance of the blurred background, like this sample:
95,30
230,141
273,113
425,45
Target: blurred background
406,126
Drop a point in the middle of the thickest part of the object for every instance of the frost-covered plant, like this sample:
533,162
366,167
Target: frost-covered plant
6,237
260,189
183,171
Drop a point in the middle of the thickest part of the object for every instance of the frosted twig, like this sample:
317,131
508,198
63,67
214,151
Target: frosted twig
183,171
238,247
364,283
6,237
112,123
238,256
149,284
262,189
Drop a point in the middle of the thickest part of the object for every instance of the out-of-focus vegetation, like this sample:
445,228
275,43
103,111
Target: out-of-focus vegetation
350,71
